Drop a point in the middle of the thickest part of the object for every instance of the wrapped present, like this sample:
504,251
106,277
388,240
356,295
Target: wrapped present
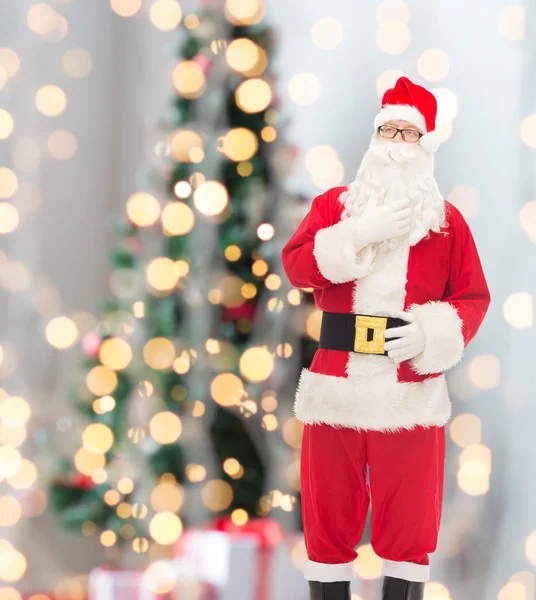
148,584
246,562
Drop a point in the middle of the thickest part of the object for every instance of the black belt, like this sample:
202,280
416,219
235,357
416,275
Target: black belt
356,333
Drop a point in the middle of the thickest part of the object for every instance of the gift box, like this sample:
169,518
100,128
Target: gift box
246,562
124,584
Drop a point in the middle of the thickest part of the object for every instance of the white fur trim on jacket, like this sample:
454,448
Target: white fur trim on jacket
444,342
315,571
372,400
406,570
335,252
400,112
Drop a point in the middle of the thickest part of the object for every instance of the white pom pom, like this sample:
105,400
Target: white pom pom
430,141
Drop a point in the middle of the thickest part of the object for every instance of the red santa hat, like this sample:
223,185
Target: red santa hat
411,102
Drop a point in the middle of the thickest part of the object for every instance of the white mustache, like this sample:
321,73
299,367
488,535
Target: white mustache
391,152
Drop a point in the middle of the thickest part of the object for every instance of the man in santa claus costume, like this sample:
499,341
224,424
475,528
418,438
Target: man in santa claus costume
395,271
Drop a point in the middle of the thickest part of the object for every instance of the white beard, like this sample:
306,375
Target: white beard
388,172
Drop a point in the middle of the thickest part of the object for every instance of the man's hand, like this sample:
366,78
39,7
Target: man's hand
379,223
411,340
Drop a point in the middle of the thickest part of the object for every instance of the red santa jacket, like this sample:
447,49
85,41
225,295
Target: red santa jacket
439,279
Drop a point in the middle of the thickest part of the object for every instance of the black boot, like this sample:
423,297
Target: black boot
400,589
335,590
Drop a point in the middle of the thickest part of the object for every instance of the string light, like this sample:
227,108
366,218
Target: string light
392,9
143,209
125,8
294,297
108,538
97,438
61,333
466,430
162,274
6,124
115,354
182,189
393,37
217,495
42,19
528,130
77,63
527,219
253,95
165,14
327,33
211,198
87,462
51,100
304,88
433,64
13,566
239,516
484,371
167,497
165,528
268,134
62,144
244,168
10,61
256,364
511,22
189,79
165,427
518,309
191,21
25,477
244,12
239,144
101,381
9,182
242,54
177,218
9,218
159,353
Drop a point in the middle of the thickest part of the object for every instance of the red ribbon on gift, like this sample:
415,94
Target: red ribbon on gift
267,534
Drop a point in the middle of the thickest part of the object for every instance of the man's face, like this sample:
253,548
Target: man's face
412,130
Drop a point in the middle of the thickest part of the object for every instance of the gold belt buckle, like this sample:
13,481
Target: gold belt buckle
378,325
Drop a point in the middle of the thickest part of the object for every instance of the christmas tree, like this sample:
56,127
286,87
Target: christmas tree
187,376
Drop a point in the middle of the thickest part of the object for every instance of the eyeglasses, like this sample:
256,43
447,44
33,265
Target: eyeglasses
408,135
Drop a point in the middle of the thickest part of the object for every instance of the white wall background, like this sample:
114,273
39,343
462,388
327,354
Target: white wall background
112,112
484,540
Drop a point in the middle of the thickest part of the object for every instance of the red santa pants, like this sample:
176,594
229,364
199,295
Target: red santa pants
405,483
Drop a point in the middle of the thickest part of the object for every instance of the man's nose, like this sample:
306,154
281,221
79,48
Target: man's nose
398,137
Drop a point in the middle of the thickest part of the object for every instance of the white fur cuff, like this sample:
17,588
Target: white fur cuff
315,571
335,252
406,570
444,342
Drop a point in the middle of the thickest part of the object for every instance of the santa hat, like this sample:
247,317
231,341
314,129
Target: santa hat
408,101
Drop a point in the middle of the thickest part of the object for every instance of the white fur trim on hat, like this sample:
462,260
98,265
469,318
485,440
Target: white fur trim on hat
400,112
430,141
